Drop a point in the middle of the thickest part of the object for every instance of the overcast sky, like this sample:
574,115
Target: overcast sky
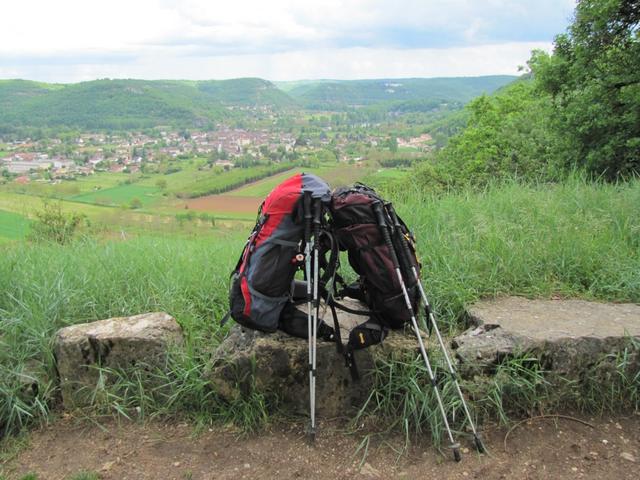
75,40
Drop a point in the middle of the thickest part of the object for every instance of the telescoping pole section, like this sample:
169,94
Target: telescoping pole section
384,228
432,320
307,273
317,212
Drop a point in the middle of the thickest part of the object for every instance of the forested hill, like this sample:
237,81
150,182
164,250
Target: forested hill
136,104
405,93
131,104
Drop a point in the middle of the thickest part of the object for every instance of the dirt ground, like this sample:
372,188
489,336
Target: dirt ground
536,449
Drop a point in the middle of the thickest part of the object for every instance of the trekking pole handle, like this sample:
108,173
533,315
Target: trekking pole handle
306,206
306,203
384,226
377,209
317,212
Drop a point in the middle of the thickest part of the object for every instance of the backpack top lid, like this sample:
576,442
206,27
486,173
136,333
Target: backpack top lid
318,187
283,197
277,209
353,205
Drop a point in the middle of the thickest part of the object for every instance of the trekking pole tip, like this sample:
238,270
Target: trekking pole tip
479,445
311,435
456,452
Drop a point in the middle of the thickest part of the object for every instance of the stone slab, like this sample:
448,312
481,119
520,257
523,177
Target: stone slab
571,335
122,342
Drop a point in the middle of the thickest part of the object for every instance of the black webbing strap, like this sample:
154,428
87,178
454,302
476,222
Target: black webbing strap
353,311
349,359
336,329
330,266
351,363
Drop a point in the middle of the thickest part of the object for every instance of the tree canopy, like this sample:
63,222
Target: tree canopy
593,77
578,108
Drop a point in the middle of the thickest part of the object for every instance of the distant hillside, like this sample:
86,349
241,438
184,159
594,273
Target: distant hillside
409,93
135,104
129,104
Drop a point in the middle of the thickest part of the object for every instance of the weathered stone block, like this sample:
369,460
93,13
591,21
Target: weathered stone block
569,335
124,342
277,365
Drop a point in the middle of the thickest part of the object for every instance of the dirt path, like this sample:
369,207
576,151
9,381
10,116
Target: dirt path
542,448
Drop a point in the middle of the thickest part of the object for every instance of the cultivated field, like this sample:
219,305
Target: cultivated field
161,202
121,195
226,205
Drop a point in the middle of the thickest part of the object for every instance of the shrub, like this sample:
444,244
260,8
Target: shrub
52,225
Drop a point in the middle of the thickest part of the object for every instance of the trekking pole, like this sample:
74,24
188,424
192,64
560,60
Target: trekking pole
432,320
317,212
384,227
306,202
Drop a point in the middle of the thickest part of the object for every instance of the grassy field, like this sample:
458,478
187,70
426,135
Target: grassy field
574,240
121,195
384,177
113,219
27,204
70,188
12,226
335,175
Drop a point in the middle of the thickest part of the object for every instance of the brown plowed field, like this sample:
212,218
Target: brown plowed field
224,204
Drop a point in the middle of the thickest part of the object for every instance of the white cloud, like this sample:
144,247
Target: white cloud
68,40
349,63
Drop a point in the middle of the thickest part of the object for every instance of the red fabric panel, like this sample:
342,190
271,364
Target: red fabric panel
279,203
244,286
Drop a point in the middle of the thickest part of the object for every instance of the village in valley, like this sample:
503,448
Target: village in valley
87,153
65,157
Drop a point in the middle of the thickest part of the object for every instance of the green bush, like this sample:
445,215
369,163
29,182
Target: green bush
52,225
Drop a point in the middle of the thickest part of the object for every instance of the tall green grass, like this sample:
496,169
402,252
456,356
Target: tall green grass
46,287
577,239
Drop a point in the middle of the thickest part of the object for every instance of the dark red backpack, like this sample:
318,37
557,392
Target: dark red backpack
356,227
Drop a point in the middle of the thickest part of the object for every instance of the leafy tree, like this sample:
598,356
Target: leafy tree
507,135
594,78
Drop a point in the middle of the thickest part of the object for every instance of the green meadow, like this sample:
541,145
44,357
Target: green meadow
120,195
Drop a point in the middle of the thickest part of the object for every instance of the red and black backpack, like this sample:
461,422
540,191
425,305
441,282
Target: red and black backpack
262,283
